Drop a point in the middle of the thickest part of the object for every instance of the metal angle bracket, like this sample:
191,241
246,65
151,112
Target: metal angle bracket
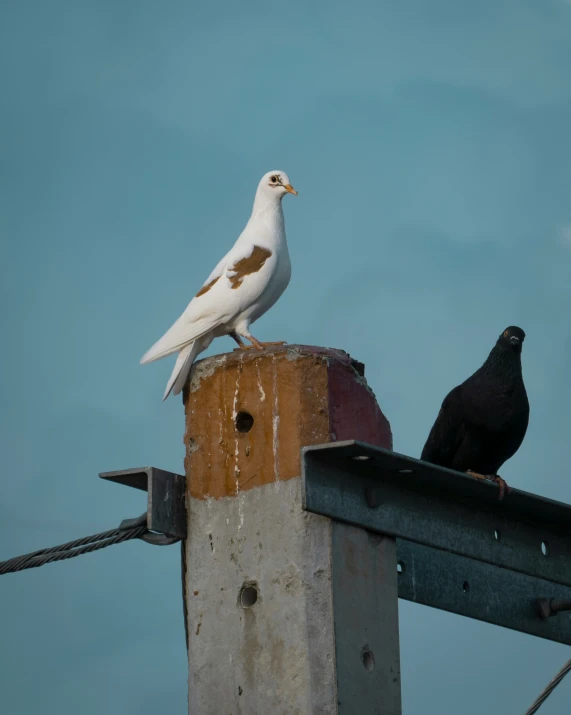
166,503
405,498
482,591
459,548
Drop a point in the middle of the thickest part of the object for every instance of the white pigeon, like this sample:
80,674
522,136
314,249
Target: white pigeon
243,286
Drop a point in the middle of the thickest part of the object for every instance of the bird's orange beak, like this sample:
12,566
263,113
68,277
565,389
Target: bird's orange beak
290,189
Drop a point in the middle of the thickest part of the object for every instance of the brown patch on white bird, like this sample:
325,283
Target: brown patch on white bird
205,288
246,266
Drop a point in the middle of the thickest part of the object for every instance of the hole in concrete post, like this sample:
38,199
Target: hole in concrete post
244,421
544,548
368,660
400,567
465,587
497,535
248,596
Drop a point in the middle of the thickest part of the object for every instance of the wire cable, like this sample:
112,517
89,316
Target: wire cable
549,689
86,545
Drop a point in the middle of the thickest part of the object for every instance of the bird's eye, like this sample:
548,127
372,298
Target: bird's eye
505,333
274,179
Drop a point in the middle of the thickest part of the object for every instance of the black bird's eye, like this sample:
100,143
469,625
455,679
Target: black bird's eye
505,333
274,179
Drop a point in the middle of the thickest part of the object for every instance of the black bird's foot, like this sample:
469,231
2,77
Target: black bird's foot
492,478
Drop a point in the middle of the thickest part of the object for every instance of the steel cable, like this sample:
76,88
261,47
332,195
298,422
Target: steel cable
86,545
549,689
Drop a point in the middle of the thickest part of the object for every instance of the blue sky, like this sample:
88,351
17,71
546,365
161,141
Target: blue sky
430,146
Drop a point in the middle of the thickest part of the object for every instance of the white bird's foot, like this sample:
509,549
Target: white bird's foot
239,340
256,344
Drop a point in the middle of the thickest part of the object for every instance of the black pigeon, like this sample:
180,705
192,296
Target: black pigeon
483,421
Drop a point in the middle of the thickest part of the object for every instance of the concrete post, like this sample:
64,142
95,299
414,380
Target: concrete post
287,613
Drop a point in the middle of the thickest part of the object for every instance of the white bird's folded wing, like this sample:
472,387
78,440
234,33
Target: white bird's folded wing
218,301
192,324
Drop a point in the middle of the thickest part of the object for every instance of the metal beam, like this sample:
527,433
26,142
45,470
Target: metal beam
480,591
365,614
518,549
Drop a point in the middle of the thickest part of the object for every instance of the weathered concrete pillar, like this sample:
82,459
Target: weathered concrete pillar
287,613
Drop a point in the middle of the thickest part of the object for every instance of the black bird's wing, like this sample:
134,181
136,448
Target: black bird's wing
448,432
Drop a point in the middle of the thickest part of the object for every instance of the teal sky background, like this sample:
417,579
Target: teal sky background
430,145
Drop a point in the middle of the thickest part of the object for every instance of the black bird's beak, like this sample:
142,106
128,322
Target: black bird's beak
514,340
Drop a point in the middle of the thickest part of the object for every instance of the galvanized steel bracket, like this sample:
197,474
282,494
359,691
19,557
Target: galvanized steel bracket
458,548
166,493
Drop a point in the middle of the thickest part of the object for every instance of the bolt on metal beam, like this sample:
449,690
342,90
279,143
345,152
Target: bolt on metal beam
552,606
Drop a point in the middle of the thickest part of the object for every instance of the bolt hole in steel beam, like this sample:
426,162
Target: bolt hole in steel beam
244,422
368,660
248,596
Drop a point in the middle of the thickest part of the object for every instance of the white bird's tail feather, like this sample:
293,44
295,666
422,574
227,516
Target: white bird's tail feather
183,364
181,369
179,336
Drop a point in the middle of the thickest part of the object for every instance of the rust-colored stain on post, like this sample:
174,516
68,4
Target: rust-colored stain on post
249,412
